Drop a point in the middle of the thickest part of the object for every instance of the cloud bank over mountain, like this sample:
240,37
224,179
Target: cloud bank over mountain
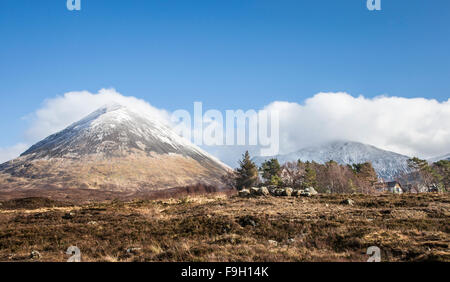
410,126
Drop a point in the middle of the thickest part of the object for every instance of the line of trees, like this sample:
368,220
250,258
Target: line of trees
330,177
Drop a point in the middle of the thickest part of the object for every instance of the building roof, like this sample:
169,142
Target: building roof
392,184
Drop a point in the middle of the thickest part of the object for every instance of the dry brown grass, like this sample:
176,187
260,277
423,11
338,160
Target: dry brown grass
228,228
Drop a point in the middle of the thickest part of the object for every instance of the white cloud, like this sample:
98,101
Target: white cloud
418,126
415,127
58,113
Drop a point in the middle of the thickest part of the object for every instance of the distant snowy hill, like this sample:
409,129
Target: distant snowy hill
388,165
436,159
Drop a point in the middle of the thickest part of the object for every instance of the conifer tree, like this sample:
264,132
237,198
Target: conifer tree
271,171
310,178
247,173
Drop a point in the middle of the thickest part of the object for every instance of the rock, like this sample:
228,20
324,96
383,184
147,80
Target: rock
297,193
244,193
35,255
291,240
273,243
349,202
311,191
304,193
287,192
133,250
279,192
254,191
69,215
273,191
263,191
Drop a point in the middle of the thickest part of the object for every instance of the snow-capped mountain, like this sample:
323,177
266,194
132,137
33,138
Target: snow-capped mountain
118,148
388,165
114,130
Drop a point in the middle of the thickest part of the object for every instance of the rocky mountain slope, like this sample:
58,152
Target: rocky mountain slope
115,148
388,165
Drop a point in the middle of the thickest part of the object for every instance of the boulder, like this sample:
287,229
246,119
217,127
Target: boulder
244,193
297,193
287,192
304,193
263,191
281,192
311,191
254,191
273,191
278,192
35,255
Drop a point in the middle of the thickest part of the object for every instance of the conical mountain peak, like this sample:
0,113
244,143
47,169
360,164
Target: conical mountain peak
114,130
118,147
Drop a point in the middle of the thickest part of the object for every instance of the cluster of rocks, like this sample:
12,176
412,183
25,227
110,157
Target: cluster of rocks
277,192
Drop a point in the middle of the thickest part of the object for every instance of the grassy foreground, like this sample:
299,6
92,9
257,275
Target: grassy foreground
227,228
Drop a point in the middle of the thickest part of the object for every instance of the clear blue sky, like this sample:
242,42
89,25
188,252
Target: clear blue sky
228,54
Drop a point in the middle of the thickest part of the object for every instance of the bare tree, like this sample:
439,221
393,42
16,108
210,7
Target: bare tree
292,174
